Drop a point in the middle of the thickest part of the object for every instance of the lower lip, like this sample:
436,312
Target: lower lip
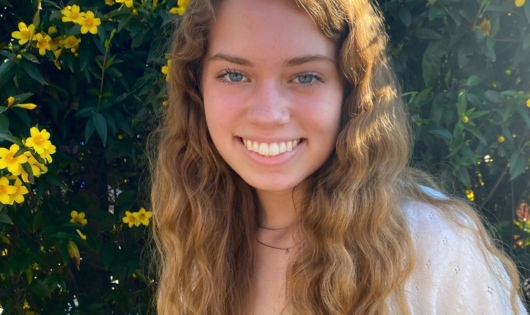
276,160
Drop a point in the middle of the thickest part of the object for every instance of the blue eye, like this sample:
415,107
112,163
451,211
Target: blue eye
231,76
306,78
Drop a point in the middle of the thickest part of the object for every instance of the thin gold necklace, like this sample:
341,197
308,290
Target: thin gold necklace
281,248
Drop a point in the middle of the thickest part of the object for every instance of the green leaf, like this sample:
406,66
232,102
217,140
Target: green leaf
426,33
478,114
7,71
493,96
524,115
439,131
30,57
109,251
461,105
101,126
474,130
473,80
463,176
121,122
75,30
431,67
56,181
404,16
40,289
11,139
22,97
85,55
4,123
4,217
33,72
89,129
518,164
462,60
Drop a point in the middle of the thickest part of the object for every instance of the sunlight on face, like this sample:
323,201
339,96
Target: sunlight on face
272,93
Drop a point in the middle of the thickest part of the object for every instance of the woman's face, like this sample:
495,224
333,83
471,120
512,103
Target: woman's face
272,93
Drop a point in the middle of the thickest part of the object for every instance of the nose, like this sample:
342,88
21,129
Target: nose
269,105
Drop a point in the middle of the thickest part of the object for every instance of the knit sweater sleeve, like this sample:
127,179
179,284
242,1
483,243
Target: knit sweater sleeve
453,274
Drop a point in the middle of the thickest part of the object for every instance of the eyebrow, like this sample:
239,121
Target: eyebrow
290,63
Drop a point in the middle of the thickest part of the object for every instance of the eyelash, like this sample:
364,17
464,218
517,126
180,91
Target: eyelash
230,71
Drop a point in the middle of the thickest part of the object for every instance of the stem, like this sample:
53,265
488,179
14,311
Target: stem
102,78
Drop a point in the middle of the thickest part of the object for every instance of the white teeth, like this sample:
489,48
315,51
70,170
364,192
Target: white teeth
263,149
272,149
283,147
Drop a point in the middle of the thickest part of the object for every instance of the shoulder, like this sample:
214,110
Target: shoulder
453,273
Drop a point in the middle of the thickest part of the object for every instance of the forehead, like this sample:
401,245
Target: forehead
256,29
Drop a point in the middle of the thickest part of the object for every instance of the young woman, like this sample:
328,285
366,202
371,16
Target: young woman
281,182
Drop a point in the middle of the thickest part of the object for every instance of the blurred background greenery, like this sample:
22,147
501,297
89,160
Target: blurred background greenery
80,83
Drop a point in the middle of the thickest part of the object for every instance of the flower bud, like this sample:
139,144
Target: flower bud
10,101
19,56
73,251
500,139
465,119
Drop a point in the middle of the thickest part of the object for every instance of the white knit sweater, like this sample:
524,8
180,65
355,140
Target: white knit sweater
453,273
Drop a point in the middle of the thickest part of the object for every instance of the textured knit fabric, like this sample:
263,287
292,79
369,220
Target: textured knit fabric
453,273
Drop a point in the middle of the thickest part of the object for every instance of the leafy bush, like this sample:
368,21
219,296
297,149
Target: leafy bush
81,82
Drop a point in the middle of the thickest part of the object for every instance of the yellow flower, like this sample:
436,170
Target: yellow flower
57,54
83,236
465,119
183,4
131,218
24,34
144,216
43,43
128,3
5,191
470,195
57,41
500,139
78,217
519,3
135,12
165,69
46,155
38,140
165,103
10,101
18,196
110,2
26,106
36,168
89,23
120,137
71,42
528,102
485,27
19,56
8,159
4,252
72,14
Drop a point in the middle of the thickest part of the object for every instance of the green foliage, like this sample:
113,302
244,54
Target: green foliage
466,72
76,243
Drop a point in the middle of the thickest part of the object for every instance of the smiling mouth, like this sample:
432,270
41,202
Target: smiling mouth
270,149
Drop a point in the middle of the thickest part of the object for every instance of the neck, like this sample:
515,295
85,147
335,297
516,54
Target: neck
277,209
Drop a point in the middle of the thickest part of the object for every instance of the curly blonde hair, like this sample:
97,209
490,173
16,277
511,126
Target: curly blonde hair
357,248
